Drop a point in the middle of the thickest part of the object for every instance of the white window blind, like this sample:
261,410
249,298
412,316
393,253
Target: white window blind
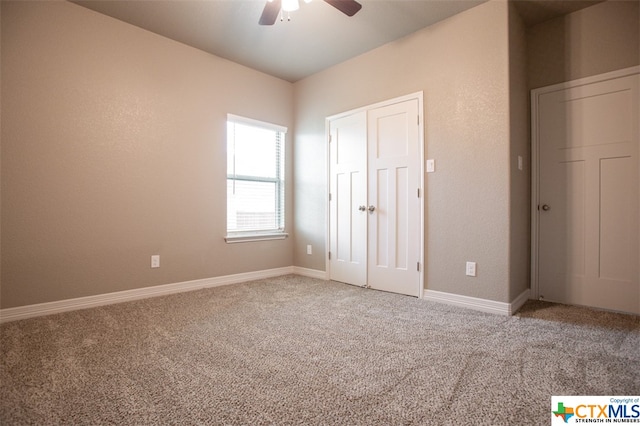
255,177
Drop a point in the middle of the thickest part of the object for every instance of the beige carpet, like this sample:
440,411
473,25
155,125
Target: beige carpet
295,350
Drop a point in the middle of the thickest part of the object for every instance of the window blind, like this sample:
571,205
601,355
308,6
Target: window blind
255,176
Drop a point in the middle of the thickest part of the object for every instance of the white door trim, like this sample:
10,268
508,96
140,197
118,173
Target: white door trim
419,96
535,159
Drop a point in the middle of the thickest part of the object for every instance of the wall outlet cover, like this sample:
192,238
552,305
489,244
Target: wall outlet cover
471,269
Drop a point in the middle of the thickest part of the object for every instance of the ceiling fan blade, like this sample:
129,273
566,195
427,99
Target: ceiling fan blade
348,7
270,12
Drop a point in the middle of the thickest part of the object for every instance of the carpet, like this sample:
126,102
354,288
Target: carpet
295,350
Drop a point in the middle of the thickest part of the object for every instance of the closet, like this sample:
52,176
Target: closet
375,196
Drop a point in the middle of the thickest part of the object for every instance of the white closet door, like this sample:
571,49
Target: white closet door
394,201
348,189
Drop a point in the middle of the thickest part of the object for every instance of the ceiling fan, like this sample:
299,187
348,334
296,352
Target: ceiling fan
273,8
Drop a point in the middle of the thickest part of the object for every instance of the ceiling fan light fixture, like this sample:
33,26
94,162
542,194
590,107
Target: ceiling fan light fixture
273,8
290,5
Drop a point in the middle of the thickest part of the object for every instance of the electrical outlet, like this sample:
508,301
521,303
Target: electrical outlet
471,269
155,261
309,249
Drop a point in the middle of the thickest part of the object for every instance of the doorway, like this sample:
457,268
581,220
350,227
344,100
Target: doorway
585,231
375,196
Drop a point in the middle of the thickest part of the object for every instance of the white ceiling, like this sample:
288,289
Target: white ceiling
317,37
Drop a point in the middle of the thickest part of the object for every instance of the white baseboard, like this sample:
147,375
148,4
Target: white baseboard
477,304
519,301
40,309
312,273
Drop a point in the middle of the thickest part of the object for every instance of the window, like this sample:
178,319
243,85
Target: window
255,180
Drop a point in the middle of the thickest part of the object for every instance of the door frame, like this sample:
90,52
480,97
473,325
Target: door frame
419,96
535,158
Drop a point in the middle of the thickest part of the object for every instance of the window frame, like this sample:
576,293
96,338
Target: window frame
266,234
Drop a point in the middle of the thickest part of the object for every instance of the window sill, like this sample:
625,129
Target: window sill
247,238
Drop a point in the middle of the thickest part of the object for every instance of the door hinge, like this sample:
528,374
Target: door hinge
418,192
418,267
330,138
329,255
418,120
329,196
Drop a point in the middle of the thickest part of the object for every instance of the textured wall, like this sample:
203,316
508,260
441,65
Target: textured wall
0,157
520,181
461,64
113,145
591,41
113,149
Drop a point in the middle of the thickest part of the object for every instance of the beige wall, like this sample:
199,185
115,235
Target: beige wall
520,182
113,149
0,158
462,65
591,41
112,145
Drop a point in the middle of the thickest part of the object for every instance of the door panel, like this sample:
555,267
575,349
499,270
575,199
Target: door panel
589,171
394,173
392,128
616,219
348,189
401,219
382,226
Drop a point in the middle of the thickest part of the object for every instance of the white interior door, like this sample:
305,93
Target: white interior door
588,233
348,189
394,200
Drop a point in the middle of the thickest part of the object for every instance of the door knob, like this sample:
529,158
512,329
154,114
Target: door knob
546,207
362,208
372,208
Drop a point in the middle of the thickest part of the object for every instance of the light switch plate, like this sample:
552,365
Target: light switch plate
431,165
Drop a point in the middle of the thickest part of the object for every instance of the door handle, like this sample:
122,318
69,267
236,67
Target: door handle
546,207
372,208
362,208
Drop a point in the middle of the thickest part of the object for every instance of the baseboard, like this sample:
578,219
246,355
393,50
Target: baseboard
40,309
312,273
519,301
477,304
